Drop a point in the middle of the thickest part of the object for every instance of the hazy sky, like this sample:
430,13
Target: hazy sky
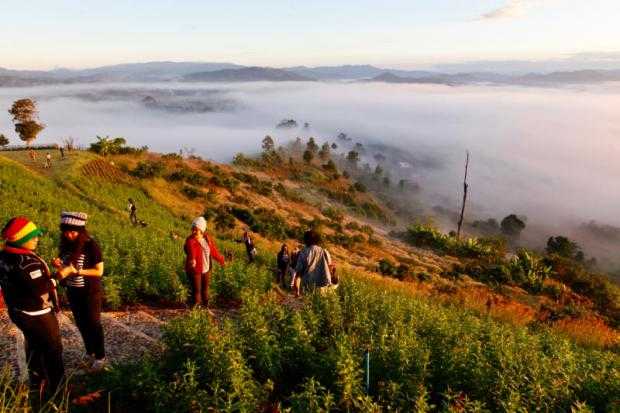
42,34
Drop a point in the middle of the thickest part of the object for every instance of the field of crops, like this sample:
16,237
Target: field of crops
422,357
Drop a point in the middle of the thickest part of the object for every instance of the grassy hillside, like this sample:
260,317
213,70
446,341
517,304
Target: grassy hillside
441,337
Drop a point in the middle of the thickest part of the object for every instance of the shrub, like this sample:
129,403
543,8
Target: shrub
148,169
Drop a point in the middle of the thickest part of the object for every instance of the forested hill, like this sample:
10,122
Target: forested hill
449,323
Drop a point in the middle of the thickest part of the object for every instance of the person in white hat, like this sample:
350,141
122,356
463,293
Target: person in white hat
200,250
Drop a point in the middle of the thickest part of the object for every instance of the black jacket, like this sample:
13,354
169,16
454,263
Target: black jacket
25,281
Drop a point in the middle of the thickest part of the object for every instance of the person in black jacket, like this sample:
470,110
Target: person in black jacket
81,262
28,289
284,263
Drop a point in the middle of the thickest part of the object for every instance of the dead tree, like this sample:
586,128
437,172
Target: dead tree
465,187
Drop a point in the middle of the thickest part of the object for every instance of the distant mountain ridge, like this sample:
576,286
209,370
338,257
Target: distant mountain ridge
246,74
166,71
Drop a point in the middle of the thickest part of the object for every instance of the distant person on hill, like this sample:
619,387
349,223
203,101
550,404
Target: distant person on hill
28,289
314,263
48,160
200,250
132,212
33,155
81,262
250,249
284,263
62,152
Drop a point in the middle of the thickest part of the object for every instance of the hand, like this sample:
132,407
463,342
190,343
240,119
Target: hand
67,271
57,263
192,263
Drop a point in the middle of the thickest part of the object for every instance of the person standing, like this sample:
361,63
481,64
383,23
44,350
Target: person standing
132,211
295,281
200,250
283,263
314,263
28,291
48,160
80,261
62,152
250,249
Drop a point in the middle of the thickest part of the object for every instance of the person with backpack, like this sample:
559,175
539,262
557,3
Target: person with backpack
28,291
283,263
314,263
81,262
200,250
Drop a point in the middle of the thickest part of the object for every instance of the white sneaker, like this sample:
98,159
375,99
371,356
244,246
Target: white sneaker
98,364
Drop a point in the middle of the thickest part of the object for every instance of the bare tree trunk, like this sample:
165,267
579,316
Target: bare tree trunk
465,187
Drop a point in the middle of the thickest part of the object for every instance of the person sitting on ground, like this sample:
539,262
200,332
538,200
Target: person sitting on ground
313,263
28,290
283,263
200,250
80,261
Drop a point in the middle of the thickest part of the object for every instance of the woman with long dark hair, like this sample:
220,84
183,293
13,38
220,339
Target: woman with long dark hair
283,263
81,262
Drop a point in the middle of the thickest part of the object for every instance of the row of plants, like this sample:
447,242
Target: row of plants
421,357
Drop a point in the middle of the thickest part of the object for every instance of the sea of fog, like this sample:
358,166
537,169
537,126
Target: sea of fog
548,153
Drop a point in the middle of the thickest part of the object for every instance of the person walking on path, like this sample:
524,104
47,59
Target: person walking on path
200,250
28,291
250,249
295,281
132,212
313,263
62,152
48,160
283,263
80,261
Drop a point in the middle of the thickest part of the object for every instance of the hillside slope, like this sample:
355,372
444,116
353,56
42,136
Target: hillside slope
435,321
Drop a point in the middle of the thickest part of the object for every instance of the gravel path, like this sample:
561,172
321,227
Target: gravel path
128,336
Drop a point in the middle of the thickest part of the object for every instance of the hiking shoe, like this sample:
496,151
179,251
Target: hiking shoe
98,364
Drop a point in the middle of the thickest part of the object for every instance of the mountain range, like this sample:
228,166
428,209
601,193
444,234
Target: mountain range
229,72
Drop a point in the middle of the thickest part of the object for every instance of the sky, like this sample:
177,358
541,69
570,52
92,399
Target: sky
43,34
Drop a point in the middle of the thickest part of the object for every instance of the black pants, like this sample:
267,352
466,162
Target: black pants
43,349
199,285
86,303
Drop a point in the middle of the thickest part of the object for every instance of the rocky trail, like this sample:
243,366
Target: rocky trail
128,336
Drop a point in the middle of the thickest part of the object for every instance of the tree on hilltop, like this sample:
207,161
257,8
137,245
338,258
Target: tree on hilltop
512,226
268,144
564,247
312,146
308,156
324,152
26,119
353,157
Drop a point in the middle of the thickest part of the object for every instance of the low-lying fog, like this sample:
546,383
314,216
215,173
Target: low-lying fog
550,154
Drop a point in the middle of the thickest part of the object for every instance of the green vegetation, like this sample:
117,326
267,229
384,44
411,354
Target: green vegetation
423,357
135,269
426,236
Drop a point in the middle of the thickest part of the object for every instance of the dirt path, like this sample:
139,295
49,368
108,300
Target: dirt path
128,336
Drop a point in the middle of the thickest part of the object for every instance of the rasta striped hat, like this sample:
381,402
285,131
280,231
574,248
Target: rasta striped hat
73,220
20,230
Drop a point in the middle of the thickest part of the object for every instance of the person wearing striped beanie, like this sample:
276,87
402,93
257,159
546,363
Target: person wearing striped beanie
80,260
28,291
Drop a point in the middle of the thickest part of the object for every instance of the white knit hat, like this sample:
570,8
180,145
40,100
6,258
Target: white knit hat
76,219
200,223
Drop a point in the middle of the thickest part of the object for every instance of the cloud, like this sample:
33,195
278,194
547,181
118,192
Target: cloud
512,9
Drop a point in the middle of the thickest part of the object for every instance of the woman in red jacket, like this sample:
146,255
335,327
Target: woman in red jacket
201,251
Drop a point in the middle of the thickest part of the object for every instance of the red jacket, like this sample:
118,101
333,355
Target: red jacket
193,250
